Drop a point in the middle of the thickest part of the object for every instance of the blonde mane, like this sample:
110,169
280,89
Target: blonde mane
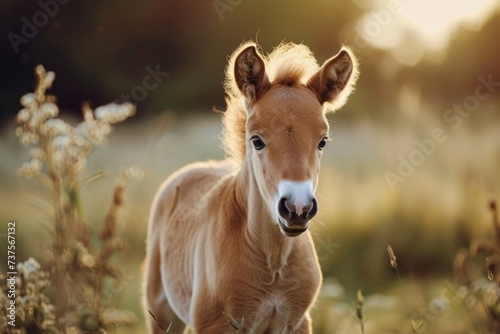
288,64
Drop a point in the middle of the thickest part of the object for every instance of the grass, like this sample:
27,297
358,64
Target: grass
74,293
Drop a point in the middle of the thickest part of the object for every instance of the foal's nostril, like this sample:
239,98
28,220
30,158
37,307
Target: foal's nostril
283,209
313,210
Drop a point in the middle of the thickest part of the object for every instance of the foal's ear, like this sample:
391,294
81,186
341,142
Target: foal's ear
334,81
250,73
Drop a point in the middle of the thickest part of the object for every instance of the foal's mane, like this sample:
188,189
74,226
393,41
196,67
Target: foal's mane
288,64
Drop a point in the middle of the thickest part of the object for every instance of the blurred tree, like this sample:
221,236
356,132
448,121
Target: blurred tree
109,45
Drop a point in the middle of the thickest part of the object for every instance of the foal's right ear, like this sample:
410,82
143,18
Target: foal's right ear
250,73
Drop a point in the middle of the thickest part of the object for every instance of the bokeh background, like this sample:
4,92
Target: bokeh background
425,65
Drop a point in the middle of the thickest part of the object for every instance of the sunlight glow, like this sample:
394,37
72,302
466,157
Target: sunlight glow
435,21
410,27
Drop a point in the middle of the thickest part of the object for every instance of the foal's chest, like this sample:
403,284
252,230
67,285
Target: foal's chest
278,304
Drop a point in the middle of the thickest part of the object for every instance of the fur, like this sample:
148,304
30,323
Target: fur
215,245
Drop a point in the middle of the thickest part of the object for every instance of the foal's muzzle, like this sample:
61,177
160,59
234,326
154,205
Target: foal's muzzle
296,207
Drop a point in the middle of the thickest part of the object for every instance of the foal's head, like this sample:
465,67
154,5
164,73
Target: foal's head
286,128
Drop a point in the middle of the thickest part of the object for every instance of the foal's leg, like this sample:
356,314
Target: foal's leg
154,296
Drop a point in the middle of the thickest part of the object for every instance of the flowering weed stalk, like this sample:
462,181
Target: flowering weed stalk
81,268
482,294
394,264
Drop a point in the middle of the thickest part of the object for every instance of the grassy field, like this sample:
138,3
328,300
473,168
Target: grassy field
426,218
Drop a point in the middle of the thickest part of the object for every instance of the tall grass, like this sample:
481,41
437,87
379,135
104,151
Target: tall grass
74,293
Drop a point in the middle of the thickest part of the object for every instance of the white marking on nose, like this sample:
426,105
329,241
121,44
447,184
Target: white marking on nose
299,206
298,193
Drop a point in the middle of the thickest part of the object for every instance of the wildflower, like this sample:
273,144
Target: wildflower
69,154
49,110
114,113
30,267
59,161
29,169
23,115
132,172
55,127
28,100
49,79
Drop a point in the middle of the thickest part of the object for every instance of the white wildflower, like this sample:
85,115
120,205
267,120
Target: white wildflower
69,153
49,79
114,113
40,70
35,121
23,115
28,100
132,172
55,127
88,115
29,267
95,132
48,308
26,137
49,110
28,169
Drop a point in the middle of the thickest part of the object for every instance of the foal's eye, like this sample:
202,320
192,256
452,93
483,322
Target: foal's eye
257,143
322,143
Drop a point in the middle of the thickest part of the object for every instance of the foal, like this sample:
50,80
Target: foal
231,237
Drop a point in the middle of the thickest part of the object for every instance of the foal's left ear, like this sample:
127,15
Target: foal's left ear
250,73
334,81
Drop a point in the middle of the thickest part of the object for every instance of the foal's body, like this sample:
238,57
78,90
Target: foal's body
269,284
231,237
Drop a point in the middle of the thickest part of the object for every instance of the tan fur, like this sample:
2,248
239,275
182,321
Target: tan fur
214,244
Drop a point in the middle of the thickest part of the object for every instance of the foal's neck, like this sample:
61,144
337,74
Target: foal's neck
261,232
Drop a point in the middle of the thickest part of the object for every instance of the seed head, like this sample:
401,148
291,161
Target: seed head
392,257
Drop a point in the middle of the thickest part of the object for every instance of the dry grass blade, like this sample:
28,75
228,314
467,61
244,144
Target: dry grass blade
166,331
236,325
359,311
394,264
96,176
